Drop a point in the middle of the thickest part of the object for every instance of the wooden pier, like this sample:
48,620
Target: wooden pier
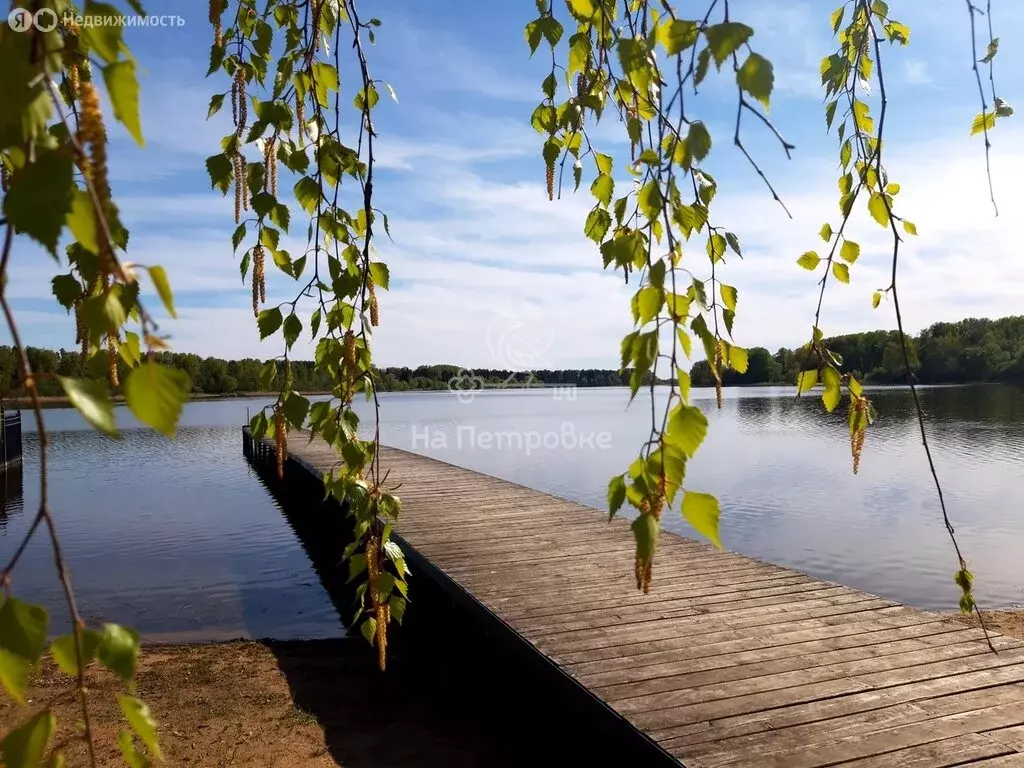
10,439
729,661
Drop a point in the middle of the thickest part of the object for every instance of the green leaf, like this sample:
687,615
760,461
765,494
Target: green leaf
897,33
67,289
380,274
649,303
292,329
221,172
684,382
132,757
307,193
826,232
703,61
551,29
685,342
809,261
269,321
677,35
534,34
831,380
325,80
649,200
830,113
130,350
295,408
841,271
687,428
991,50
105,39
877,208
603,162
40,198
598,223
876,299
22,639
549,85
806,380
698,140
141,720
279,214
163,288
155,394
729,296
25,746
368,629
837,18
701,511
119,651
92,400
738,358
216,101
757,78
909,227
602,188
850,251
645,531
725,38
123,88
862,117
63,650
82,221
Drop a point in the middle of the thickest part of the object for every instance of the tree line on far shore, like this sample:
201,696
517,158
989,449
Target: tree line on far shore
972,350
214,376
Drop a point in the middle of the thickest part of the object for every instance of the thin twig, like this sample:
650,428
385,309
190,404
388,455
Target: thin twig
44,511
896,240
984,107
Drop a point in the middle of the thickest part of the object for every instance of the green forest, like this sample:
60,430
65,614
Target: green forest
972,350
214,376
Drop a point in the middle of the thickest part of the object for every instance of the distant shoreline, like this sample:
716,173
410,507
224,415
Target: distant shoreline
52,401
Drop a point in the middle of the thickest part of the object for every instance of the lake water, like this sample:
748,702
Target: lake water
182,540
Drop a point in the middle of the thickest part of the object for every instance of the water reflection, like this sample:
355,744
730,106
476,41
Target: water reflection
12,504
176,538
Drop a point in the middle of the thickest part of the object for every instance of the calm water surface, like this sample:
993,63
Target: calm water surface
181,539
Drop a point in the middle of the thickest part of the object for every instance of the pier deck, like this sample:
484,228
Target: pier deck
729,661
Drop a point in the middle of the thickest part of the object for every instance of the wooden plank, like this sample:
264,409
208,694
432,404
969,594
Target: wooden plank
692,673
729,661
735,749
1007,761
824,708
1012,737
626,669
713,685
898,737
959,750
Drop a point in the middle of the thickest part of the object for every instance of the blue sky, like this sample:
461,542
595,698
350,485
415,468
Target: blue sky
480,255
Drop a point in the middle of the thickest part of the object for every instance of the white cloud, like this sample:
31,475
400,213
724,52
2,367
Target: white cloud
916,72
